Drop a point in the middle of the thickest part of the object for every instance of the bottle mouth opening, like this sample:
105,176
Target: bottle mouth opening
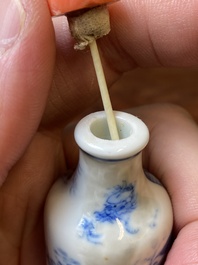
92,136
100,129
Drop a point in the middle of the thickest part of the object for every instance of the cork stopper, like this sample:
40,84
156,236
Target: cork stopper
88,25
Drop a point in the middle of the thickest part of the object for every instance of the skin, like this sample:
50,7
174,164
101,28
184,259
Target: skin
41,92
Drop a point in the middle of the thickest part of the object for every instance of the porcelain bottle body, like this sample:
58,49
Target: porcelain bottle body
109,212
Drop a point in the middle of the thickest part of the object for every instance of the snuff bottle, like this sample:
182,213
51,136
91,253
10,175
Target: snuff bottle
110,211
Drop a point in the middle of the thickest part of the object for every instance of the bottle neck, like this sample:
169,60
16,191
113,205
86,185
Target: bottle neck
93,173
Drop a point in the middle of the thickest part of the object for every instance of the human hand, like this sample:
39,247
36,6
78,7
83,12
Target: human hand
33,113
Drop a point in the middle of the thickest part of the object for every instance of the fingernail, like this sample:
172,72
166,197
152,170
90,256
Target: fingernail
12,17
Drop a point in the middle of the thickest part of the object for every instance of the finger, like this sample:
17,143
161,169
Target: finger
184,249
26,67
23,195
154,33
143,33
172,156
146,33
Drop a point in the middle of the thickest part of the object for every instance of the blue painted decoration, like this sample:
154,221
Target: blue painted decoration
120,202
62,258
87,230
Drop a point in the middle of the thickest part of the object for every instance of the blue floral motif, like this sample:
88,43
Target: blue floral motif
88,231
121,201
62,258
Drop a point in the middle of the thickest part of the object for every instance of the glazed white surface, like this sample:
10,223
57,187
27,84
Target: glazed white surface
83,228
134,136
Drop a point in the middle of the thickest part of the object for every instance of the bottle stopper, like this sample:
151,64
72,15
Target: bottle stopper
61,7
88,21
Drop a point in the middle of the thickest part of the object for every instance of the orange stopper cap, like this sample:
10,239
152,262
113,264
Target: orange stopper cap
59,7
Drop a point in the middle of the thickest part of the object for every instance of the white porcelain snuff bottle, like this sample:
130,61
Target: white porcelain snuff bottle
109,212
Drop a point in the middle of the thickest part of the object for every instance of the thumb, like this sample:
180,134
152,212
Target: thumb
27,54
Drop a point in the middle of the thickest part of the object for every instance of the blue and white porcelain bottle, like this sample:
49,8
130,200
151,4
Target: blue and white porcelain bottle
109,212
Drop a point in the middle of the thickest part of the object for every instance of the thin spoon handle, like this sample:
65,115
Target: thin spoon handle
104,91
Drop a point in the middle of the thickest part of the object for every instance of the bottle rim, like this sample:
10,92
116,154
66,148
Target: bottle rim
92,135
